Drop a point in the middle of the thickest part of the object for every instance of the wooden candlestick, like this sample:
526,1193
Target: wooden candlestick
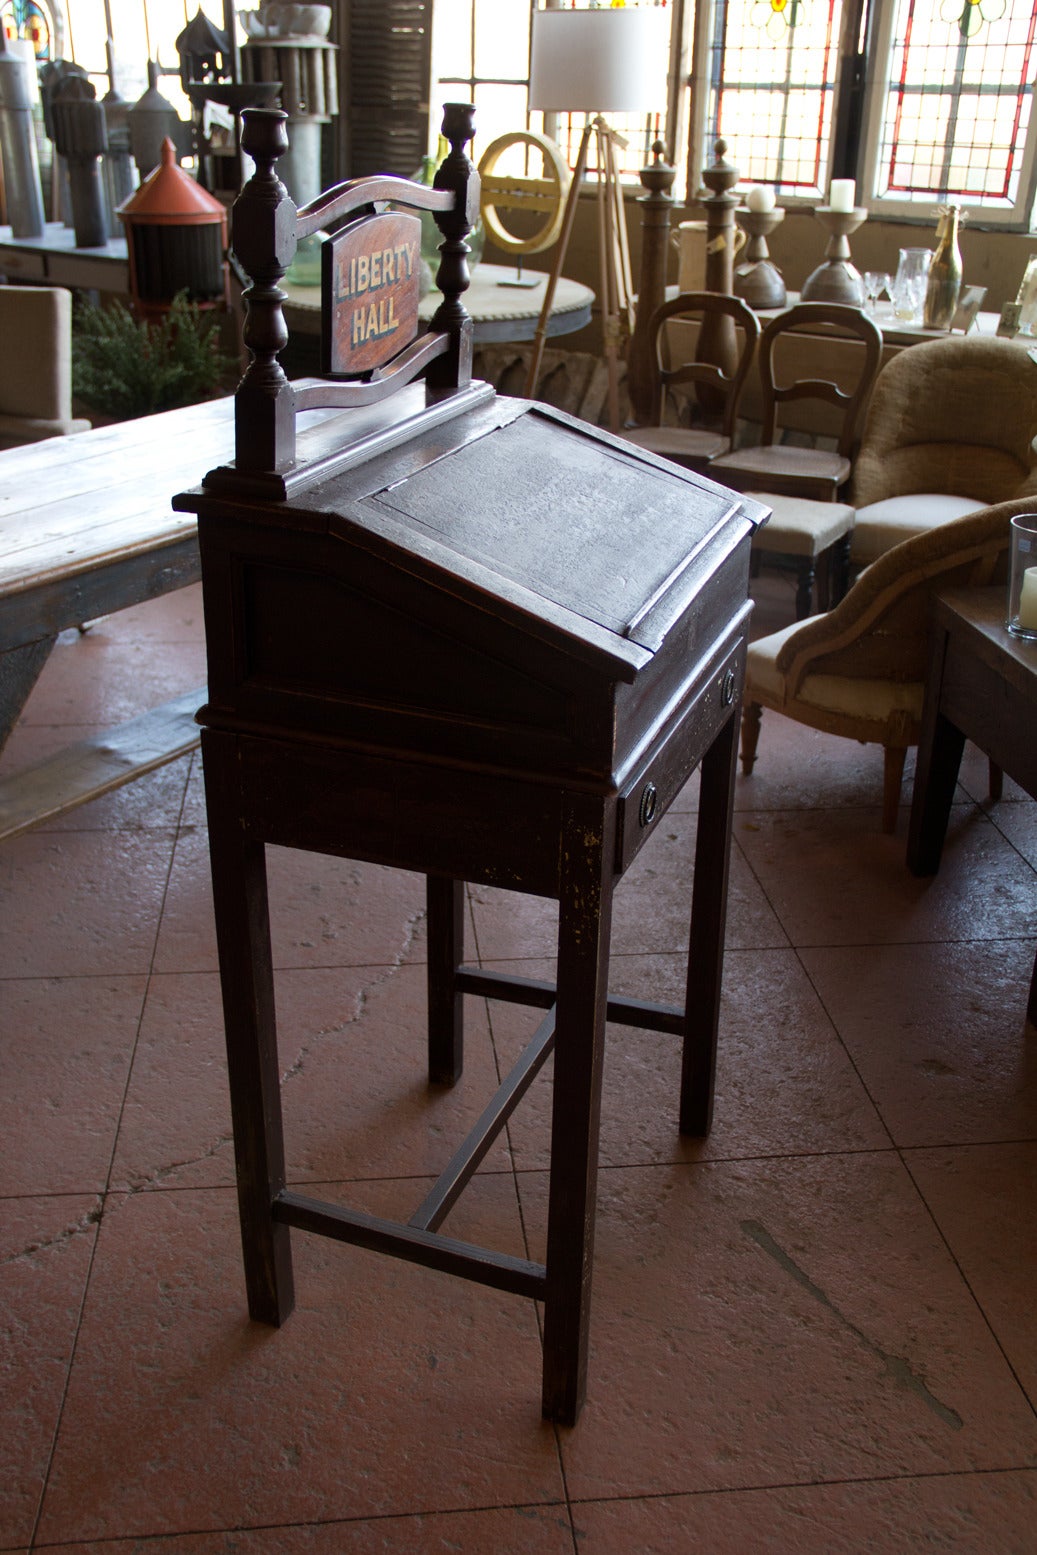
837,280
757,280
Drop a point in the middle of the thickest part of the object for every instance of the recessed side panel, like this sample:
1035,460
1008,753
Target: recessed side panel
318,638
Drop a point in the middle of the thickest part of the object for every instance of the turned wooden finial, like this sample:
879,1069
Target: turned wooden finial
717,342
658,176
263,226
721,175
457,174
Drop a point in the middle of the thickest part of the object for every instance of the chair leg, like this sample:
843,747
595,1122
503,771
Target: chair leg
752,712
893,777
995,782
839,570
804,588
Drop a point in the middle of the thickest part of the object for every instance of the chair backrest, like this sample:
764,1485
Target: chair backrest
879,629
956,416
371,340
674,368
810,325
36,329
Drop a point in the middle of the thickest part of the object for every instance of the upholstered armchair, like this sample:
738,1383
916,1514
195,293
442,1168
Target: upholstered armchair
860,669
950,429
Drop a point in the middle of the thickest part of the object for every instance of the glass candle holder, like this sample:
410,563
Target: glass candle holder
1022,577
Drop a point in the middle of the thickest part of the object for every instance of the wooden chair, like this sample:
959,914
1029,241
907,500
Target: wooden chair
808,526
695,447
950,429
860,669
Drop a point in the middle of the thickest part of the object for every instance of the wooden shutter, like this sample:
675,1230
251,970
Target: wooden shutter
386,65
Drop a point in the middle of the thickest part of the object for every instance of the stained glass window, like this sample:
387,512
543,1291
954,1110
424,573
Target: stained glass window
955,115
771,84
35,22
481,49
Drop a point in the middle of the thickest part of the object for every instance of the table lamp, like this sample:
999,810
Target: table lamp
594,62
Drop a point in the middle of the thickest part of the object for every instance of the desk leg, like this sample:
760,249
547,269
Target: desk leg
584,923
708,920
246,974
936,772
19,671
445,900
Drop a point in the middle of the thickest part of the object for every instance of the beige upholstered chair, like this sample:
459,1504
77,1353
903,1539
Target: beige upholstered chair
809,526
36,384
950,429
694,447
860,669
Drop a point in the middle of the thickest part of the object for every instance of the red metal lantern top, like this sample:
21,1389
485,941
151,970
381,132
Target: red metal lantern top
171,197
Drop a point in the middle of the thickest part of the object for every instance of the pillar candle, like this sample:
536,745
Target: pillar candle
1028,600
843,194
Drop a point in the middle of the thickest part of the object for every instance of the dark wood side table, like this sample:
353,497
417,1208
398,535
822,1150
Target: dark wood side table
982,686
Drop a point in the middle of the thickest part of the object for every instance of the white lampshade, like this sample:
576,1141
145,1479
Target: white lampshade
604,61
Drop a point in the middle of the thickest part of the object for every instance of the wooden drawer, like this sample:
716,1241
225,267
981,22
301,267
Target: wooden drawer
647,797
22,265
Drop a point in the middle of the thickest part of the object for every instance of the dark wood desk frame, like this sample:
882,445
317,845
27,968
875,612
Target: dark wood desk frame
982,686
406,667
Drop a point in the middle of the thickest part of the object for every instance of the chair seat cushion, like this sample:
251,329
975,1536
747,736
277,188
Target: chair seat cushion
679,443
777,467
881,525
801,526
840,696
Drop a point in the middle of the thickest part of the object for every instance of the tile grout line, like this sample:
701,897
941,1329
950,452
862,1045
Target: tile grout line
104,1194
977,1303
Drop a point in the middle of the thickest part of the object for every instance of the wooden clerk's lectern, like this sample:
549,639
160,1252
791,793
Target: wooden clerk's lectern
468,636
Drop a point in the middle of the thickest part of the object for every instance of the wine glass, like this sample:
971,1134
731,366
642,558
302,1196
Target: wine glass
875,283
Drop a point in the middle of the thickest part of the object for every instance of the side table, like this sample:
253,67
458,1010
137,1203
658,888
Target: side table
982,686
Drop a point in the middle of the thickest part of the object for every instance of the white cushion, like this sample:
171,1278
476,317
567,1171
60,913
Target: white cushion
882,525
801,526
846,695
678,442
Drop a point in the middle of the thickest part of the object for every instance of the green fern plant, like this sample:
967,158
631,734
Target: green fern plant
126,367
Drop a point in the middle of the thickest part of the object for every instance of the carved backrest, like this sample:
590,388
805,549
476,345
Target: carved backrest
674,370
829,321
371,345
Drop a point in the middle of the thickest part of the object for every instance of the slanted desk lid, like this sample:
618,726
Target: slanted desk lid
558,509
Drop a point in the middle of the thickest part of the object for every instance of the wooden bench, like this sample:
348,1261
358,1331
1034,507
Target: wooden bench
86,528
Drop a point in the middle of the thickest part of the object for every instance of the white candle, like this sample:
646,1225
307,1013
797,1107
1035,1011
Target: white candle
843,194
760,198
1028,600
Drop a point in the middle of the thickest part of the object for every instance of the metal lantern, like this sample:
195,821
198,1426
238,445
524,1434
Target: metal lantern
176,234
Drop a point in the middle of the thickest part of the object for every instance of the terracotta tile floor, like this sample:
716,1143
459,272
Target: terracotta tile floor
813,1332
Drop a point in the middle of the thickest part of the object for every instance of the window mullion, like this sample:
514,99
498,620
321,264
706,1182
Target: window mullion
848,114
